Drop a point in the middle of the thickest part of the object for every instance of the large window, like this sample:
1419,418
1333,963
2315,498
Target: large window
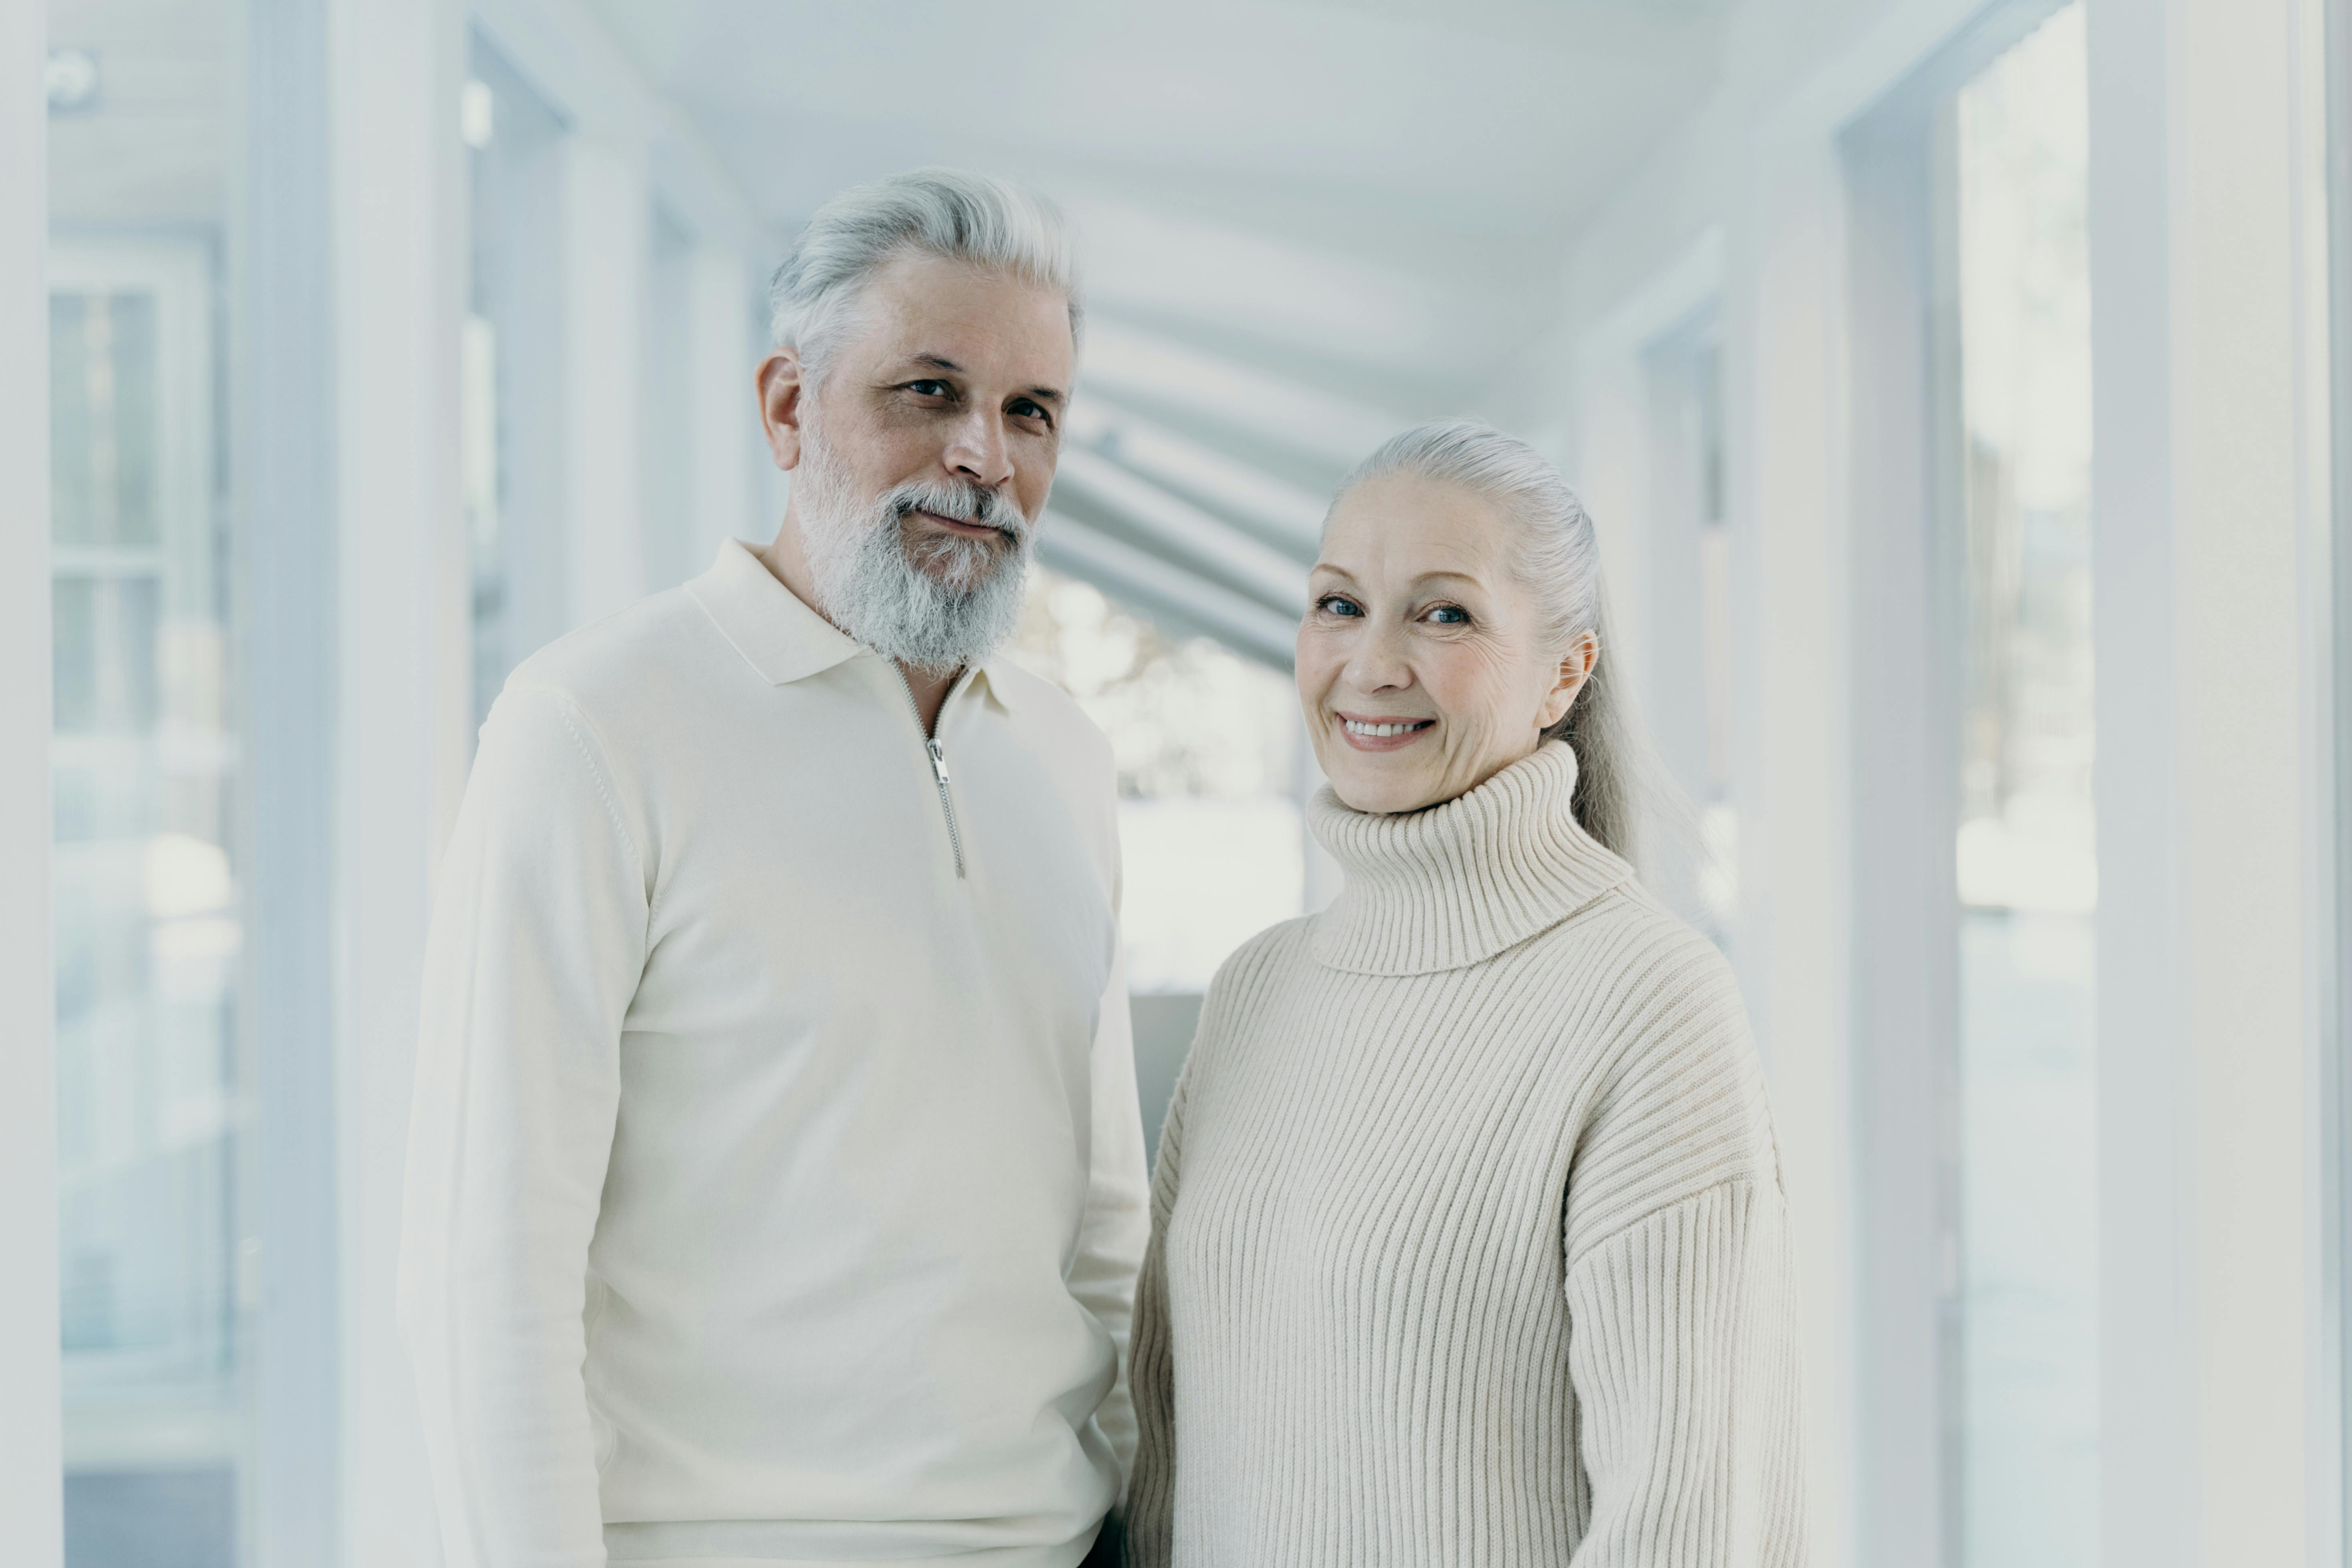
1209,748
2027,865
155,1227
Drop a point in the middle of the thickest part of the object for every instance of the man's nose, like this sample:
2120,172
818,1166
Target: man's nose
979,451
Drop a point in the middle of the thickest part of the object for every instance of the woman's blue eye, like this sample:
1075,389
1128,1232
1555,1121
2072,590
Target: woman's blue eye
1450,615
1332,604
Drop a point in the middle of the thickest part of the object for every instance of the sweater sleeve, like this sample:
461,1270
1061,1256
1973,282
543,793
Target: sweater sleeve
1148,1520
1118,1221
1681,1339
1683,1354
537,944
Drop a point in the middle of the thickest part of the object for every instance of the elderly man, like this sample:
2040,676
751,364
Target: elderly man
776,1185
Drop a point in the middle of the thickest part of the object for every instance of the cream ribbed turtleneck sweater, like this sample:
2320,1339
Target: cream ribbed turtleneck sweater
1468,1243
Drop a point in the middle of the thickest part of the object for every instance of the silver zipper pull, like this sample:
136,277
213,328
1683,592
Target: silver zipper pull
939,760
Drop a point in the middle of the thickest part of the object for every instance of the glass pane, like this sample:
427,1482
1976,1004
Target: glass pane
144,762
102,418
2027,857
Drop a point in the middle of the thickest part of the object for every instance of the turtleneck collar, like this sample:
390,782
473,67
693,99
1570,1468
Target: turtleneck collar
1458,882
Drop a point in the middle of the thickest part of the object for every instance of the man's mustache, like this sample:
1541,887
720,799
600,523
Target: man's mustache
968,503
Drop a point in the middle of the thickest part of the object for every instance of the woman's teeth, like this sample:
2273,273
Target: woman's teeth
1357,727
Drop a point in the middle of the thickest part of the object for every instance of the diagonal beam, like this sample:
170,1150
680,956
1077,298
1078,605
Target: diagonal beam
1120,502
1166,593
1287,516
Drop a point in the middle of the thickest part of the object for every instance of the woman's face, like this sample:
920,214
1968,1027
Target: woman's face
1423,666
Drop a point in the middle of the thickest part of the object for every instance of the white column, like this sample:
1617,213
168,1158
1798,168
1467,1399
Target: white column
2203,132
403,708
1784,404
607,228
30,1454
287,440
723,419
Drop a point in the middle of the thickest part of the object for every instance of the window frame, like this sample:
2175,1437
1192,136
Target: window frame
2334,760
1898,161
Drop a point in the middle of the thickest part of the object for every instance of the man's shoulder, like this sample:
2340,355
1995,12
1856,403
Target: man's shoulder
632,657
1051,717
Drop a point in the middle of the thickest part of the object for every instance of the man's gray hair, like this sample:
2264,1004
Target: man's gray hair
943,213
1559,560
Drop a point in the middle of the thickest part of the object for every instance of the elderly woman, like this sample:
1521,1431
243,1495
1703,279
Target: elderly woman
1468,1238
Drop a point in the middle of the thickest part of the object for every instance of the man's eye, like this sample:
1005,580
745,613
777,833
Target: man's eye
928,388
1023,408
1333,605
1450,615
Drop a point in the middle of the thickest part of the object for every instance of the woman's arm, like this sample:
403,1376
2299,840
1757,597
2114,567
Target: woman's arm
1681,1294
1684,1354
1146,1520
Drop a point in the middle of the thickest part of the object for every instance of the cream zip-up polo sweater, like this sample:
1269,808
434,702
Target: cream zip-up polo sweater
1468,1243
776,1183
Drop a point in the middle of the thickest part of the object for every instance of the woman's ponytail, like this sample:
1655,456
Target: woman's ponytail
1560,561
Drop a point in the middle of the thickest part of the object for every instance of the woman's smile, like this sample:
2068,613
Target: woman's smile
1373,732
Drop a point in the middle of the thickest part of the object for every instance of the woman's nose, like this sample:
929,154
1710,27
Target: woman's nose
1377,663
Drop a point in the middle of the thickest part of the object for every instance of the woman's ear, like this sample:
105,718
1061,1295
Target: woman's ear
1575,669
781,384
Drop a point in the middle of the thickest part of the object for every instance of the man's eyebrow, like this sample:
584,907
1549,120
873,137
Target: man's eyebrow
1043,394
936,362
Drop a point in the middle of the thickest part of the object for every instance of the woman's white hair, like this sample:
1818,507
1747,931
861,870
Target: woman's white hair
1559,560
943,213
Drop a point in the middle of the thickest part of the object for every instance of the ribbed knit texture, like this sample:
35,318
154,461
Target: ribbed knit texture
1468,1240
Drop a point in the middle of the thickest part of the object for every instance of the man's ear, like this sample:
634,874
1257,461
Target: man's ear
781,384
1575,669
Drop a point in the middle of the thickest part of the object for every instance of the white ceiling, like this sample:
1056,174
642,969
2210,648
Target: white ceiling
1372,196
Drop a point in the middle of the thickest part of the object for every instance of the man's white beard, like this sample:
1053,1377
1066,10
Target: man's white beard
934,602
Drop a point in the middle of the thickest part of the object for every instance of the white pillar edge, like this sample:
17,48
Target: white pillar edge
31,1500
2147,1398
607,204
2319,542
2239,333
1785,397
403,704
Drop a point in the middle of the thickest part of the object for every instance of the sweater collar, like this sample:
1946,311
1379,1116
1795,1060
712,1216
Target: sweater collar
782,637
1459,882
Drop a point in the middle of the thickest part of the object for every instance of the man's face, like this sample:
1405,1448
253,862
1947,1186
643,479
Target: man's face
921,454
947,373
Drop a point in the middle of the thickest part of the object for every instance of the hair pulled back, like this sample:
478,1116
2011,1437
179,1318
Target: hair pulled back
1559,561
